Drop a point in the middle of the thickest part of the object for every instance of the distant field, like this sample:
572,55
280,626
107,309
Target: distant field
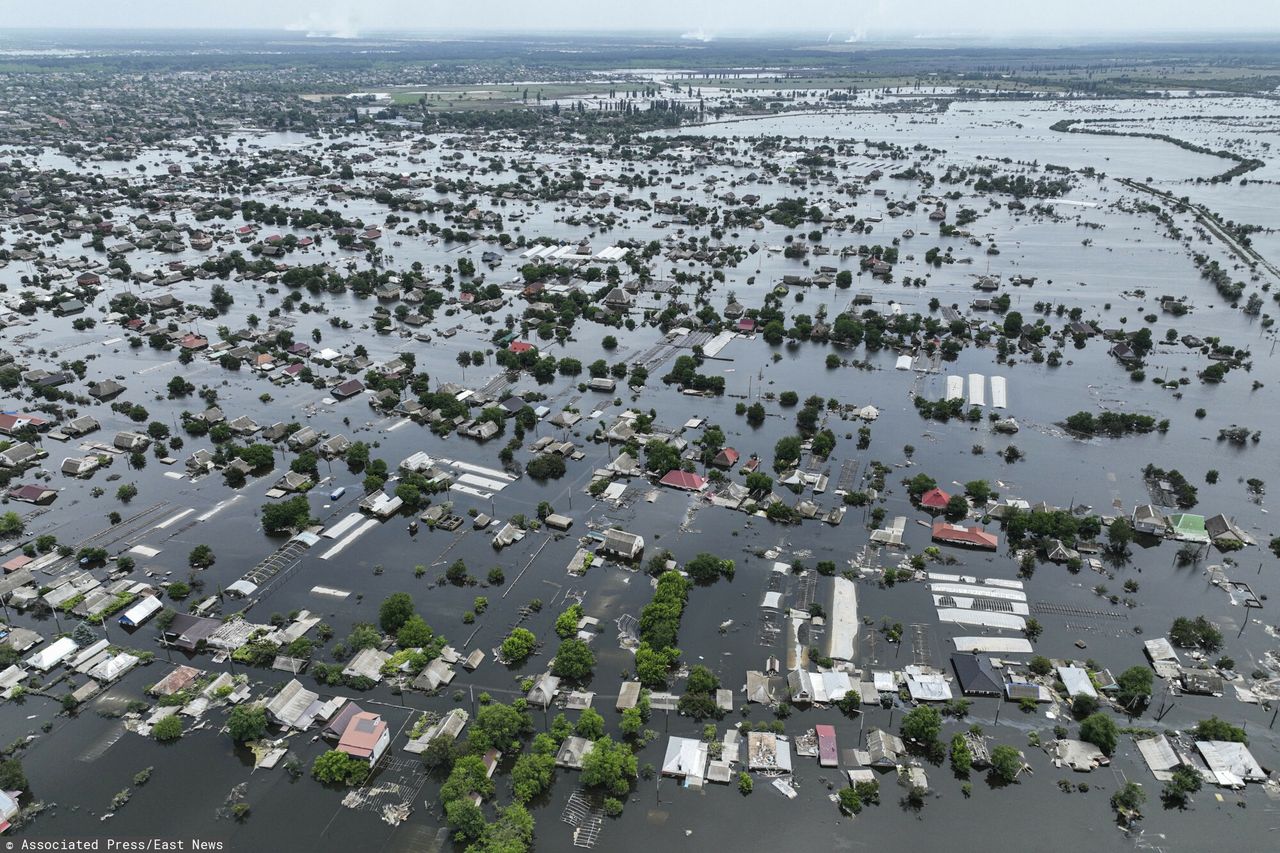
480,96
1178,76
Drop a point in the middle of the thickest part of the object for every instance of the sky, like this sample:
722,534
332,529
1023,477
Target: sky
842,20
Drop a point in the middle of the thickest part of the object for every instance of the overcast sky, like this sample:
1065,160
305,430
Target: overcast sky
840,19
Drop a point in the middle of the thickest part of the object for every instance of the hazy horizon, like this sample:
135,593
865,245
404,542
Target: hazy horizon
836,22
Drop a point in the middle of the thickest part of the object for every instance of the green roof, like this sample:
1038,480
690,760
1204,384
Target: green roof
1189,525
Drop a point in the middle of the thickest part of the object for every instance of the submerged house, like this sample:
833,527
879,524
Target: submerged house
292,706
685,758
1189,527
969,537
366,737
1148,519
622,544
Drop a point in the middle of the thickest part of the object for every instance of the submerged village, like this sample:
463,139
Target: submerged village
854,448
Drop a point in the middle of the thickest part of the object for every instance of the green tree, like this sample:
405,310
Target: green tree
12,777
409,494
1100,730
395,611
652,665
465,818
518,645
512,832
702,680
1215,729
168,729
257,456
786,452
1197,632
1006,763
660,457
545,466
441,753
707,568
286,515
632,722
610,766
363,636
850,802
247,722
1177,792
567,622
468,776
1119,535
922,724
201,557
919,484
415,633
979,491
590,725
961,756
11,524
457,572
1083,706
574,660
499,726
957,508
1129,799
531,775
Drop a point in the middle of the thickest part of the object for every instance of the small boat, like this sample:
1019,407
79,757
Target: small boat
337,493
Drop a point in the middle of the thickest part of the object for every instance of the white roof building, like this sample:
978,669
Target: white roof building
144,609
685,758
1231,764
1077,681
53,654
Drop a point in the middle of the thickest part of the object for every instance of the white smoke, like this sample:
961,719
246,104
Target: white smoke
698,35
338,21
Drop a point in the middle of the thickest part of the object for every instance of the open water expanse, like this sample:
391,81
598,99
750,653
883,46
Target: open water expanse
77,767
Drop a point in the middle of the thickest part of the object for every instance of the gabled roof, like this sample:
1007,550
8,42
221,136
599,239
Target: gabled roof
974,537
686,480
362,735
289,705
727,457
976,675
935,498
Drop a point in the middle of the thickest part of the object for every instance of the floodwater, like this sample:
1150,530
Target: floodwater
78,766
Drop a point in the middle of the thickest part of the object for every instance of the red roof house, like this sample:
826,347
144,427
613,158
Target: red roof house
827,752
18,562
935,498
32,494
970,537
521,346
366,737
11,422
686,480
726,458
